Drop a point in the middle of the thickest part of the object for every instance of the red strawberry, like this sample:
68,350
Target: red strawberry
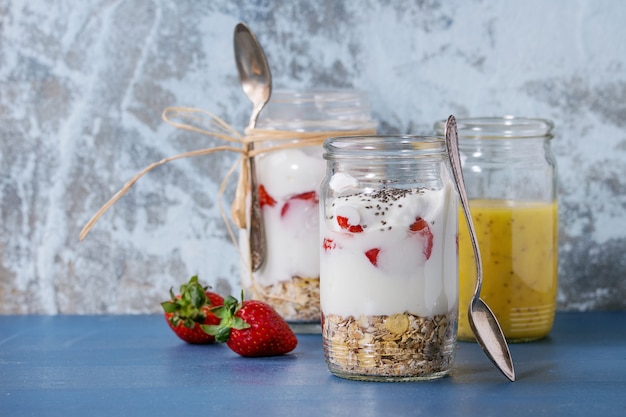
252,328
308,196
264,198
328,244
186,311
421,227
344,224
372,255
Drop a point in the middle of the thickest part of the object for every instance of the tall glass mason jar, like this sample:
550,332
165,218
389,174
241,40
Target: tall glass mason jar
510,176
388,267
289,180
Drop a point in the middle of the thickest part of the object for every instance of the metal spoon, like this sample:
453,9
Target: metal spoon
483,322
256,81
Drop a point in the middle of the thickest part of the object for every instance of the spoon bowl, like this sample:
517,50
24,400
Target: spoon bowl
256,80
483,322
254,71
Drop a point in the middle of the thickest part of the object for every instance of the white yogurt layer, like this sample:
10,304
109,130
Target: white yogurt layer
292,223
379,258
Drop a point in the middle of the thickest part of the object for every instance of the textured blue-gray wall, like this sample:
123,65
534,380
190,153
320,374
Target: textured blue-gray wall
83,84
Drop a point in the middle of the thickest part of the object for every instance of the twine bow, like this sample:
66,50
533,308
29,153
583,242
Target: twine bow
206,123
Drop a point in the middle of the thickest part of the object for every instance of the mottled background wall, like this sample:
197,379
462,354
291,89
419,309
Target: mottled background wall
83,84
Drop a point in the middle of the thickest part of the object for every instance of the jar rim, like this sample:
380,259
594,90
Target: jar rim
500,127
384,146
317,110
287,96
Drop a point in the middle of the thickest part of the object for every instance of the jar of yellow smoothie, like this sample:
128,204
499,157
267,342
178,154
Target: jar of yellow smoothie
510,175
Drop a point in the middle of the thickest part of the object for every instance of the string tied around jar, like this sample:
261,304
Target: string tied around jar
206,123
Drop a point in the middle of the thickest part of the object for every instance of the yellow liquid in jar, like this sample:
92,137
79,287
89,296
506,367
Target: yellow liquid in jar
518,247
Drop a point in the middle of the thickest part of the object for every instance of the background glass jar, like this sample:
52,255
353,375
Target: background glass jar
388,267
289,182
510,176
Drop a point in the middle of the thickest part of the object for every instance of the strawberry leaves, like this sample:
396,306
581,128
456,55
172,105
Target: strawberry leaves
228,320
187,306
189,309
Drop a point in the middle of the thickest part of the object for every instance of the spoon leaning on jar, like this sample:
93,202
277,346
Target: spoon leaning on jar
256,80
483,322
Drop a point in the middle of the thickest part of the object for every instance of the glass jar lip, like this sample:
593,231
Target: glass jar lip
500,127
308,96
317,110
384,146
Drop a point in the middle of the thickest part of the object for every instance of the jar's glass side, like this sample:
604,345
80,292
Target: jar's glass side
508,169
388,277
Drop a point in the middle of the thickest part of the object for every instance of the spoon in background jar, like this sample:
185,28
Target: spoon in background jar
256,81
483,322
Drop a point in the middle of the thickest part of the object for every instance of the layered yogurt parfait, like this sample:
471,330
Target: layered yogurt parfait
389,279
288,194
289,177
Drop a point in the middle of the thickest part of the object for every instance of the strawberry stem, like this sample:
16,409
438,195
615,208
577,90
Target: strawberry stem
228,319
187,307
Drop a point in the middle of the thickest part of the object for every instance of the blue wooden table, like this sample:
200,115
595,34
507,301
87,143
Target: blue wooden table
135,366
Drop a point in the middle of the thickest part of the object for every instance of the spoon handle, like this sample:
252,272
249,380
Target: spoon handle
483,322
257,226
452,142
257,238
256,81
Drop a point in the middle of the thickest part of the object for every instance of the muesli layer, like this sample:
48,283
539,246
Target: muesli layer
398,345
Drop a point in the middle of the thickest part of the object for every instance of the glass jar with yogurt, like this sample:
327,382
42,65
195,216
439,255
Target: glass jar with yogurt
289,178
388,264
510,176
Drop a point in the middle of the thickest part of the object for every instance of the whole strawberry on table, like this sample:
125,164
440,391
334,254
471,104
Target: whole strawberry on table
191,308
252,328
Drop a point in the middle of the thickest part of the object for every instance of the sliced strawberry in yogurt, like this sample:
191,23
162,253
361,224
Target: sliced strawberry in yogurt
264,198
345,225
328,244
421,228
309,196
372,255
